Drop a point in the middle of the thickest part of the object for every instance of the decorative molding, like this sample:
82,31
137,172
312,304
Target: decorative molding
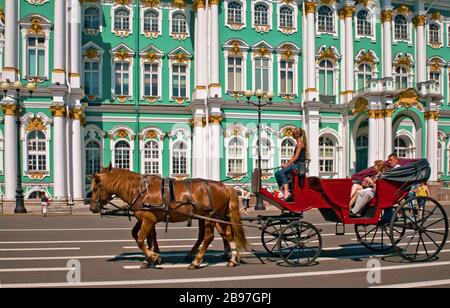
310,7
431,115
420,20
386,16
150,3
361,106
409,99
436,16
37,2
10,109
403,9
327,53
58,110
404,60
35,123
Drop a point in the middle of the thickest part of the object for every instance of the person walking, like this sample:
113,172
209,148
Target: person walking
45,202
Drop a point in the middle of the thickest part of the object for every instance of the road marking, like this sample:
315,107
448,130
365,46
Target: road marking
40,249
40,269
162,247
184,265
87,229
422,284
220,279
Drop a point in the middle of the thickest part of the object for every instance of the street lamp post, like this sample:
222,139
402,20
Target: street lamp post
5,86
259,95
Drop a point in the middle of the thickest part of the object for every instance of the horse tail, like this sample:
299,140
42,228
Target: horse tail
235,218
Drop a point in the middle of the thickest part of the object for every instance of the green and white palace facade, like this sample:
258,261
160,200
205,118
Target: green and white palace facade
158,87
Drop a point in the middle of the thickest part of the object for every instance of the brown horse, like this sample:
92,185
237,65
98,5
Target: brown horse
205,198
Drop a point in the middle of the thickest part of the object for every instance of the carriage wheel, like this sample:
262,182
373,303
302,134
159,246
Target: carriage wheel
377,237
303,243
426,229
270,234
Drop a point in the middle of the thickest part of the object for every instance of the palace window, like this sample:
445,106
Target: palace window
286,17
287,77
325,19
364,25
91,77
401,78
122,79
151,75
151,21
234,12
364,76
36,56
235,74
287,150
179,80
436,76
92,18
235,156
122,157
151,158
261,15
326,77
179,23
327,155
179,158
434,34
401,28
266,155
122,19
262,73
37,152
93,157
403,147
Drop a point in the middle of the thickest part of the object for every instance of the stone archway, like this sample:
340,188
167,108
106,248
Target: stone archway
359,146
409,122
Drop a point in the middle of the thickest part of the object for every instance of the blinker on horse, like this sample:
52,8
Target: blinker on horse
150,202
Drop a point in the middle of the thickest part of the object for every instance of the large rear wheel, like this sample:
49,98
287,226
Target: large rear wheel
426,229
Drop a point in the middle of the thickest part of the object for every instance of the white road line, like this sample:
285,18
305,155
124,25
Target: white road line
433,283
40,249
162,247
221,279
167,266
40,269
86,229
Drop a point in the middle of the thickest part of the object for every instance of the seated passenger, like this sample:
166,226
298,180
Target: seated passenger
366,194
300,156
358,185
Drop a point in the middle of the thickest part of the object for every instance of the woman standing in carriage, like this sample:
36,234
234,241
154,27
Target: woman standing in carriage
299,157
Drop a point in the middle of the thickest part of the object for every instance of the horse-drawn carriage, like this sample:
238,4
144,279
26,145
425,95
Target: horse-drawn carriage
416,228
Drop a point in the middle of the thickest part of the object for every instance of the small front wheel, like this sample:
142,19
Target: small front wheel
302,243
270,234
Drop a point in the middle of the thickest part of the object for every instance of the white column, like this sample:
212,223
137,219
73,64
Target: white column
197,148
349,60
10,160
386,18
431,118
343,51
215,88
59,70
373,138
313,119
196,50
75,44
388,132
215,121
311,91
77,116
202,33
59,151
420,21
11,63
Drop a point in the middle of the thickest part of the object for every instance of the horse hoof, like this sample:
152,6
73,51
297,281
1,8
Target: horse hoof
157,261
231,264
193,266
145,265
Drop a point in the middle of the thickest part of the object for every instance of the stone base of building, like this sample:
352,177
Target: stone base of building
80,202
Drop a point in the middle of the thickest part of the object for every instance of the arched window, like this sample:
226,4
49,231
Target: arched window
262,73
266,154
364,25
37,151
122,157
287,150
401,78
234,12
235,156
93,157
179,158
286,17
92,18
364,76
261,15
151,157
179,24
401,28
434,34
327,155
326,77
403,147
325,19
151,21
122,19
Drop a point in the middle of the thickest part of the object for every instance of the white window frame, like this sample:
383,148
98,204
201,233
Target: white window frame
120,32
122,73
130,153
186,13
100,17
85,61
441,26
2,150
130,61
448,35
334,159
403,134
236,26
241,82
335,21
151,160
86,157
269,157
372,18
294,9
99,58
243,156
2,44
269,26
286,158
243,53
172,61
90,132
180,134
407,74
294,58
365,73
113,139
409,27
335,73
152,34
143,140
268,56
441,73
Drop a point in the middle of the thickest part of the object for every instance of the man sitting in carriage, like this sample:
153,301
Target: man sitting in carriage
299,158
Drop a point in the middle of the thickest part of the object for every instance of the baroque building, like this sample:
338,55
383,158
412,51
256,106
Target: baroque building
157,87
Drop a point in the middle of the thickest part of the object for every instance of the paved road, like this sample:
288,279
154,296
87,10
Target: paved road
34,252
